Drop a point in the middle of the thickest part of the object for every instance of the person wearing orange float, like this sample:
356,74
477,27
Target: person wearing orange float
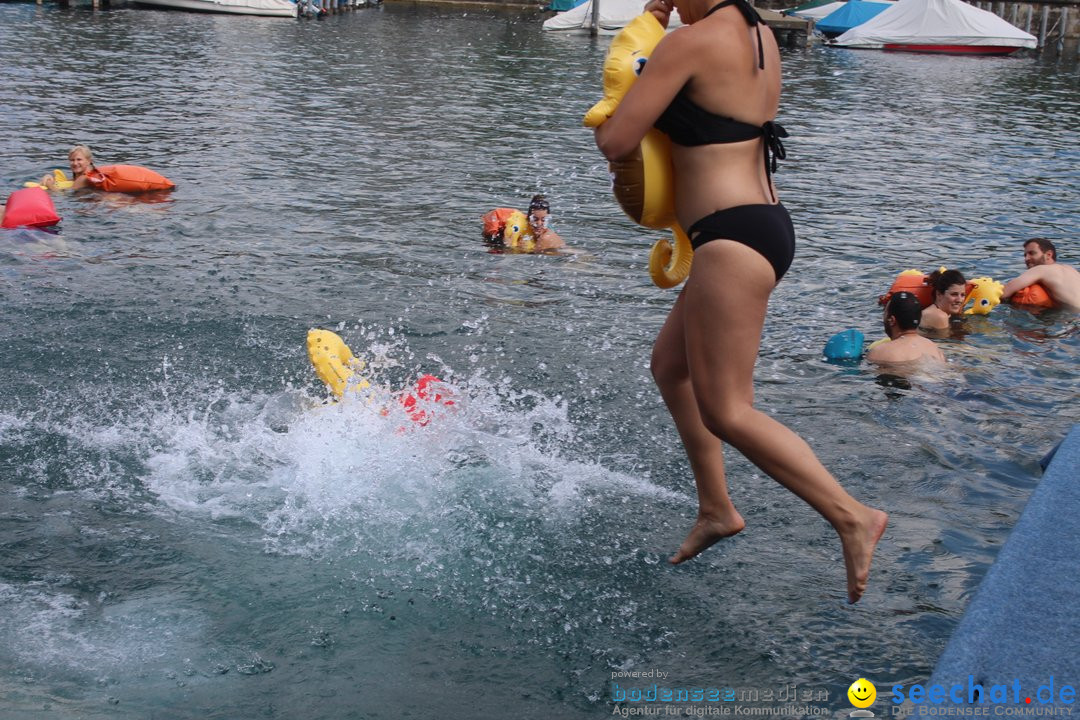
1061,281
81,161
713,86
950,292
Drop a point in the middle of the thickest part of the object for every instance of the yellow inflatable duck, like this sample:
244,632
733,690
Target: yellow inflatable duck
643,182
334,362
985,296
60,182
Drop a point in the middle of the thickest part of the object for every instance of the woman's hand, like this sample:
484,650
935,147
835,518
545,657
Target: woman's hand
661,10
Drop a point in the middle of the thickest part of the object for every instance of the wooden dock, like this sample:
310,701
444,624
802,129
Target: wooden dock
789,30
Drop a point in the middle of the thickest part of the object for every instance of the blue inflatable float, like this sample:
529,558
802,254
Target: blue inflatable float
845,345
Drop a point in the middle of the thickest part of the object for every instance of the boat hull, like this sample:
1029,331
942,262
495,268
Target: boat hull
951,49
266,8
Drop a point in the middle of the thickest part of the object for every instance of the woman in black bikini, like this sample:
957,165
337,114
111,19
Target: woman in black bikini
714,88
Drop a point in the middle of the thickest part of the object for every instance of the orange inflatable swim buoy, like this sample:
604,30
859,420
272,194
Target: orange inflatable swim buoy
918,284
128,179
1033,296
495,221
915,282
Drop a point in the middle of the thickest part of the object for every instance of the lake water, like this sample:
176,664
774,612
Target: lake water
186,533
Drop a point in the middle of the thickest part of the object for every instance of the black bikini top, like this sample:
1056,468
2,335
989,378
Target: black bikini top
689,124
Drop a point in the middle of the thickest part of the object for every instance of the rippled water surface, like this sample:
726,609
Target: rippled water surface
187,532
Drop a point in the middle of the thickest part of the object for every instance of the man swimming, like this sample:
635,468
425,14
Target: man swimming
1062,282
906,345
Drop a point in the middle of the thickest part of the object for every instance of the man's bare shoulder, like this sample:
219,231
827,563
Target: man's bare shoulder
909,349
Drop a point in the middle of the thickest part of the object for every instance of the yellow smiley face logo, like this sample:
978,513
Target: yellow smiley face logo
862,693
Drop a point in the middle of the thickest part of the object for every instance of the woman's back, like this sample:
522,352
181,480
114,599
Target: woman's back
726,81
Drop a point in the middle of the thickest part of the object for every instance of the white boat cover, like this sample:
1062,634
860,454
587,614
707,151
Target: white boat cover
816,13
614,15
935,22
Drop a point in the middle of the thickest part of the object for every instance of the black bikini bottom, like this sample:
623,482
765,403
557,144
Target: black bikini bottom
764,228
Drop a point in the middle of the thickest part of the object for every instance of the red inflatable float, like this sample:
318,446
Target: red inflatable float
424,393
29,207
128,179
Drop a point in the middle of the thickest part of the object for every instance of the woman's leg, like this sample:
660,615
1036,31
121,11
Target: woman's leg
717,517
725,302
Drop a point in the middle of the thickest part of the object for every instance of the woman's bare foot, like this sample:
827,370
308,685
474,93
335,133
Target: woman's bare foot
859,543
706,532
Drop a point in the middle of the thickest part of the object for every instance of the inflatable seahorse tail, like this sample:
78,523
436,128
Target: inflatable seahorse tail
669,266
333,361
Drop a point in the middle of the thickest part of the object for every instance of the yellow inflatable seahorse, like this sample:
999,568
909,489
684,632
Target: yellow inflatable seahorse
518,234
984,296
643,182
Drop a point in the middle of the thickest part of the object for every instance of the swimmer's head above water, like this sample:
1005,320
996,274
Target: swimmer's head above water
950,290
904,310
539,211
80,159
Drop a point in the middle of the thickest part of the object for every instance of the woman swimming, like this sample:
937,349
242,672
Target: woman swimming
81,161
950,291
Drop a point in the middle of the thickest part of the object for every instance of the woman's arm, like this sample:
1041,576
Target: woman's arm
665,73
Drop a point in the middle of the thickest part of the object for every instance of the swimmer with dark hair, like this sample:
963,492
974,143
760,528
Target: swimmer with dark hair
950,291
544,237
1061,281
901,319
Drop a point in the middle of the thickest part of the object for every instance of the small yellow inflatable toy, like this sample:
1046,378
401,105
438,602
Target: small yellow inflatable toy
643,182
984,297
61,182
518,234
334,362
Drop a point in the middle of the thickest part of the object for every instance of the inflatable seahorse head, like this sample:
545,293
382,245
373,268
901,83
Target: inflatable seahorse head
643,182
518,234
985,296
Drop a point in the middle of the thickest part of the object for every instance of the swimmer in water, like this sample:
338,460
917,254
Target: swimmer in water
906,346
949,294
81,161
1062,282
539,217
